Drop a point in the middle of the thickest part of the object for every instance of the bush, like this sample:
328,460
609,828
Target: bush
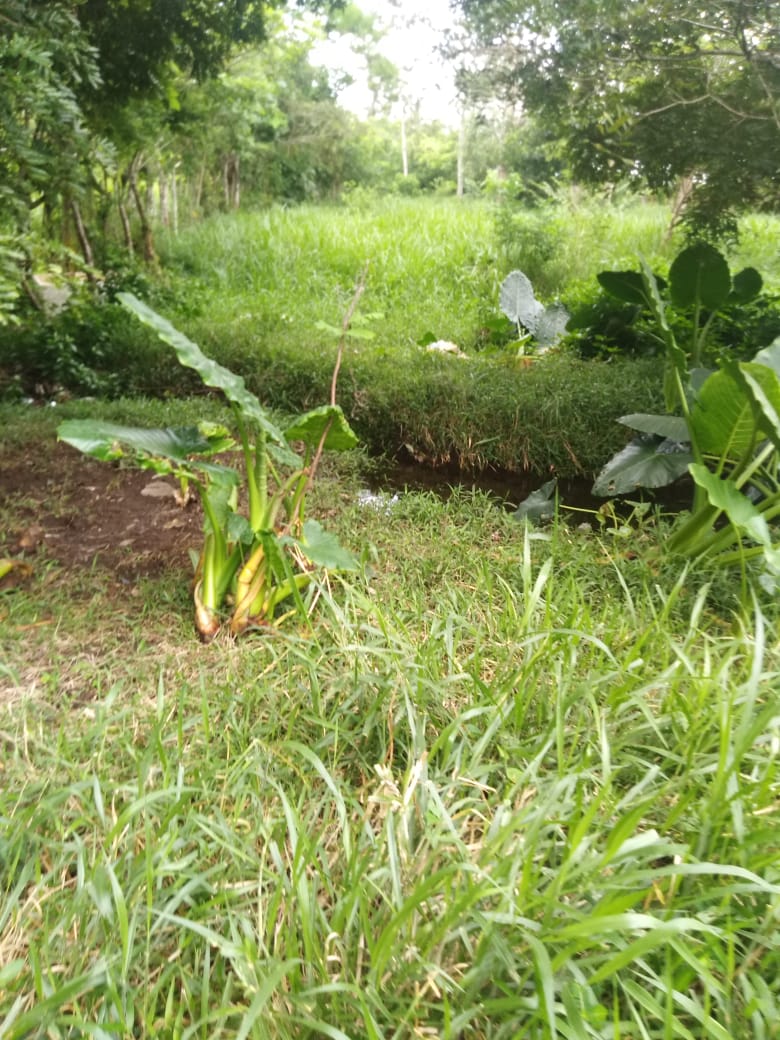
90,348
603,327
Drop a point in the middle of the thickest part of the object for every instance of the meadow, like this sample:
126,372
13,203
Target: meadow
506,780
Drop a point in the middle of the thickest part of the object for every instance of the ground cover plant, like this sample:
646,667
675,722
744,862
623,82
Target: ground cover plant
508,781
254,289
722,426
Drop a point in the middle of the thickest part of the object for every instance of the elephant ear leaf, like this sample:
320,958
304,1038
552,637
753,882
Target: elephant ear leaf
669,427
648,461
747,284
700,275
741,512
627,286
108,441
770,356
540,504
213,374
323,549
329,420
172,449
518,302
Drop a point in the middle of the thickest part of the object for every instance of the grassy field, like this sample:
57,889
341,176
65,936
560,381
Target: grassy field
262,292
506,782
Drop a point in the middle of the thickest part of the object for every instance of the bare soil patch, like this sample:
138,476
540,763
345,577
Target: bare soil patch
82,512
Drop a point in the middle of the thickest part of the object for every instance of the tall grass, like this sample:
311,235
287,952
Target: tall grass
432,267
563,244
511,783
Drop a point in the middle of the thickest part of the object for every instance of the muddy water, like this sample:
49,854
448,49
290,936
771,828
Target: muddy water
512,488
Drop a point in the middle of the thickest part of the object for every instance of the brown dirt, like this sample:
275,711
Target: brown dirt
79,511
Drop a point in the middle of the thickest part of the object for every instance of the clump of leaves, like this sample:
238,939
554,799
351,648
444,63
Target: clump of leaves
726,432
253,564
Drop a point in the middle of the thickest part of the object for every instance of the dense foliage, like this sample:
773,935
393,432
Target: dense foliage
666,93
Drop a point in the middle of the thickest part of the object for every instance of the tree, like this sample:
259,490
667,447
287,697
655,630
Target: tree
44,141
652,90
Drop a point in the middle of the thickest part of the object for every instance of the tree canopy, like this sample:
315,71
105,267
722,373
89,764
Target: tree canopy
653,89
92,105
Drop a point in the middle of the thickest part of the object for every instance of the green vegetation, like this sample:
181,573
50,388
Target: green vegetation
659,93
259,560
503,782
499,774
726,432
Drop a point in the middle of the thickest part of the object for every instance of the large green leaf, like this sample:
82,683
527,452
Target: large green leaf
628,286
540,504
741,512
213,374
700,274
170,450
323,548
676,365
646,462
108,441
762,385
670,427
722,418
747,285
770,356
310,427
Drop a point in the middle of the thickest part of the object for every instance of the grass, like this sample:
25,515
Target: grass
509,782
275,274
257,289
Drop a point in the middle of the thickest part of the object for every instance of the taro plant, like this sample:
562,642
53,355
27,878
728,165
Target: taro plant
256,561
700,286
726,434
545,325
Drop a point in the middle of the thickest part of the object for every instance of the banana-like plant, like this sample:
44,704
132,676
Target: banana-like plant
252,563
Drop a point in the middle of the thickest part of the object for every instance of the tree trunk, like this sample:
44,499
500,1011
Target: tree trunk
125,219
83,237
681,199
236,182
199,186
174,201
150,256
165,216
149,200
231,180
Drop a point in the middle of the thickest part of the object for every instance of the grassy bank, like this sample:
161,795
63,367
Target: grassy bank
256,290
507,783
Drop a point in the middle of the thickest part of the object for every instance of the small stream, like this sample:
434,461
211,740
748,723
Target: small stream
510,489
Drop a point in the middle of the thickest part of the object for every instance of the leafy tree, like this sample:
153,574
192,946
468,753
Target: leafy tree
44,141
657,90
143,45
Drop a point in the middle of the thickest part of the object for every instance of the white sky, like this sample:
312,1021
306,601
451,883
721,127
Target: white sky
413,31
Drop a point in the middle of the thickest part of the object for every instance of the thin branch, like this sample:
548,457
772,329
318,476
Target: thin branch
311,469
360,287
687,102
